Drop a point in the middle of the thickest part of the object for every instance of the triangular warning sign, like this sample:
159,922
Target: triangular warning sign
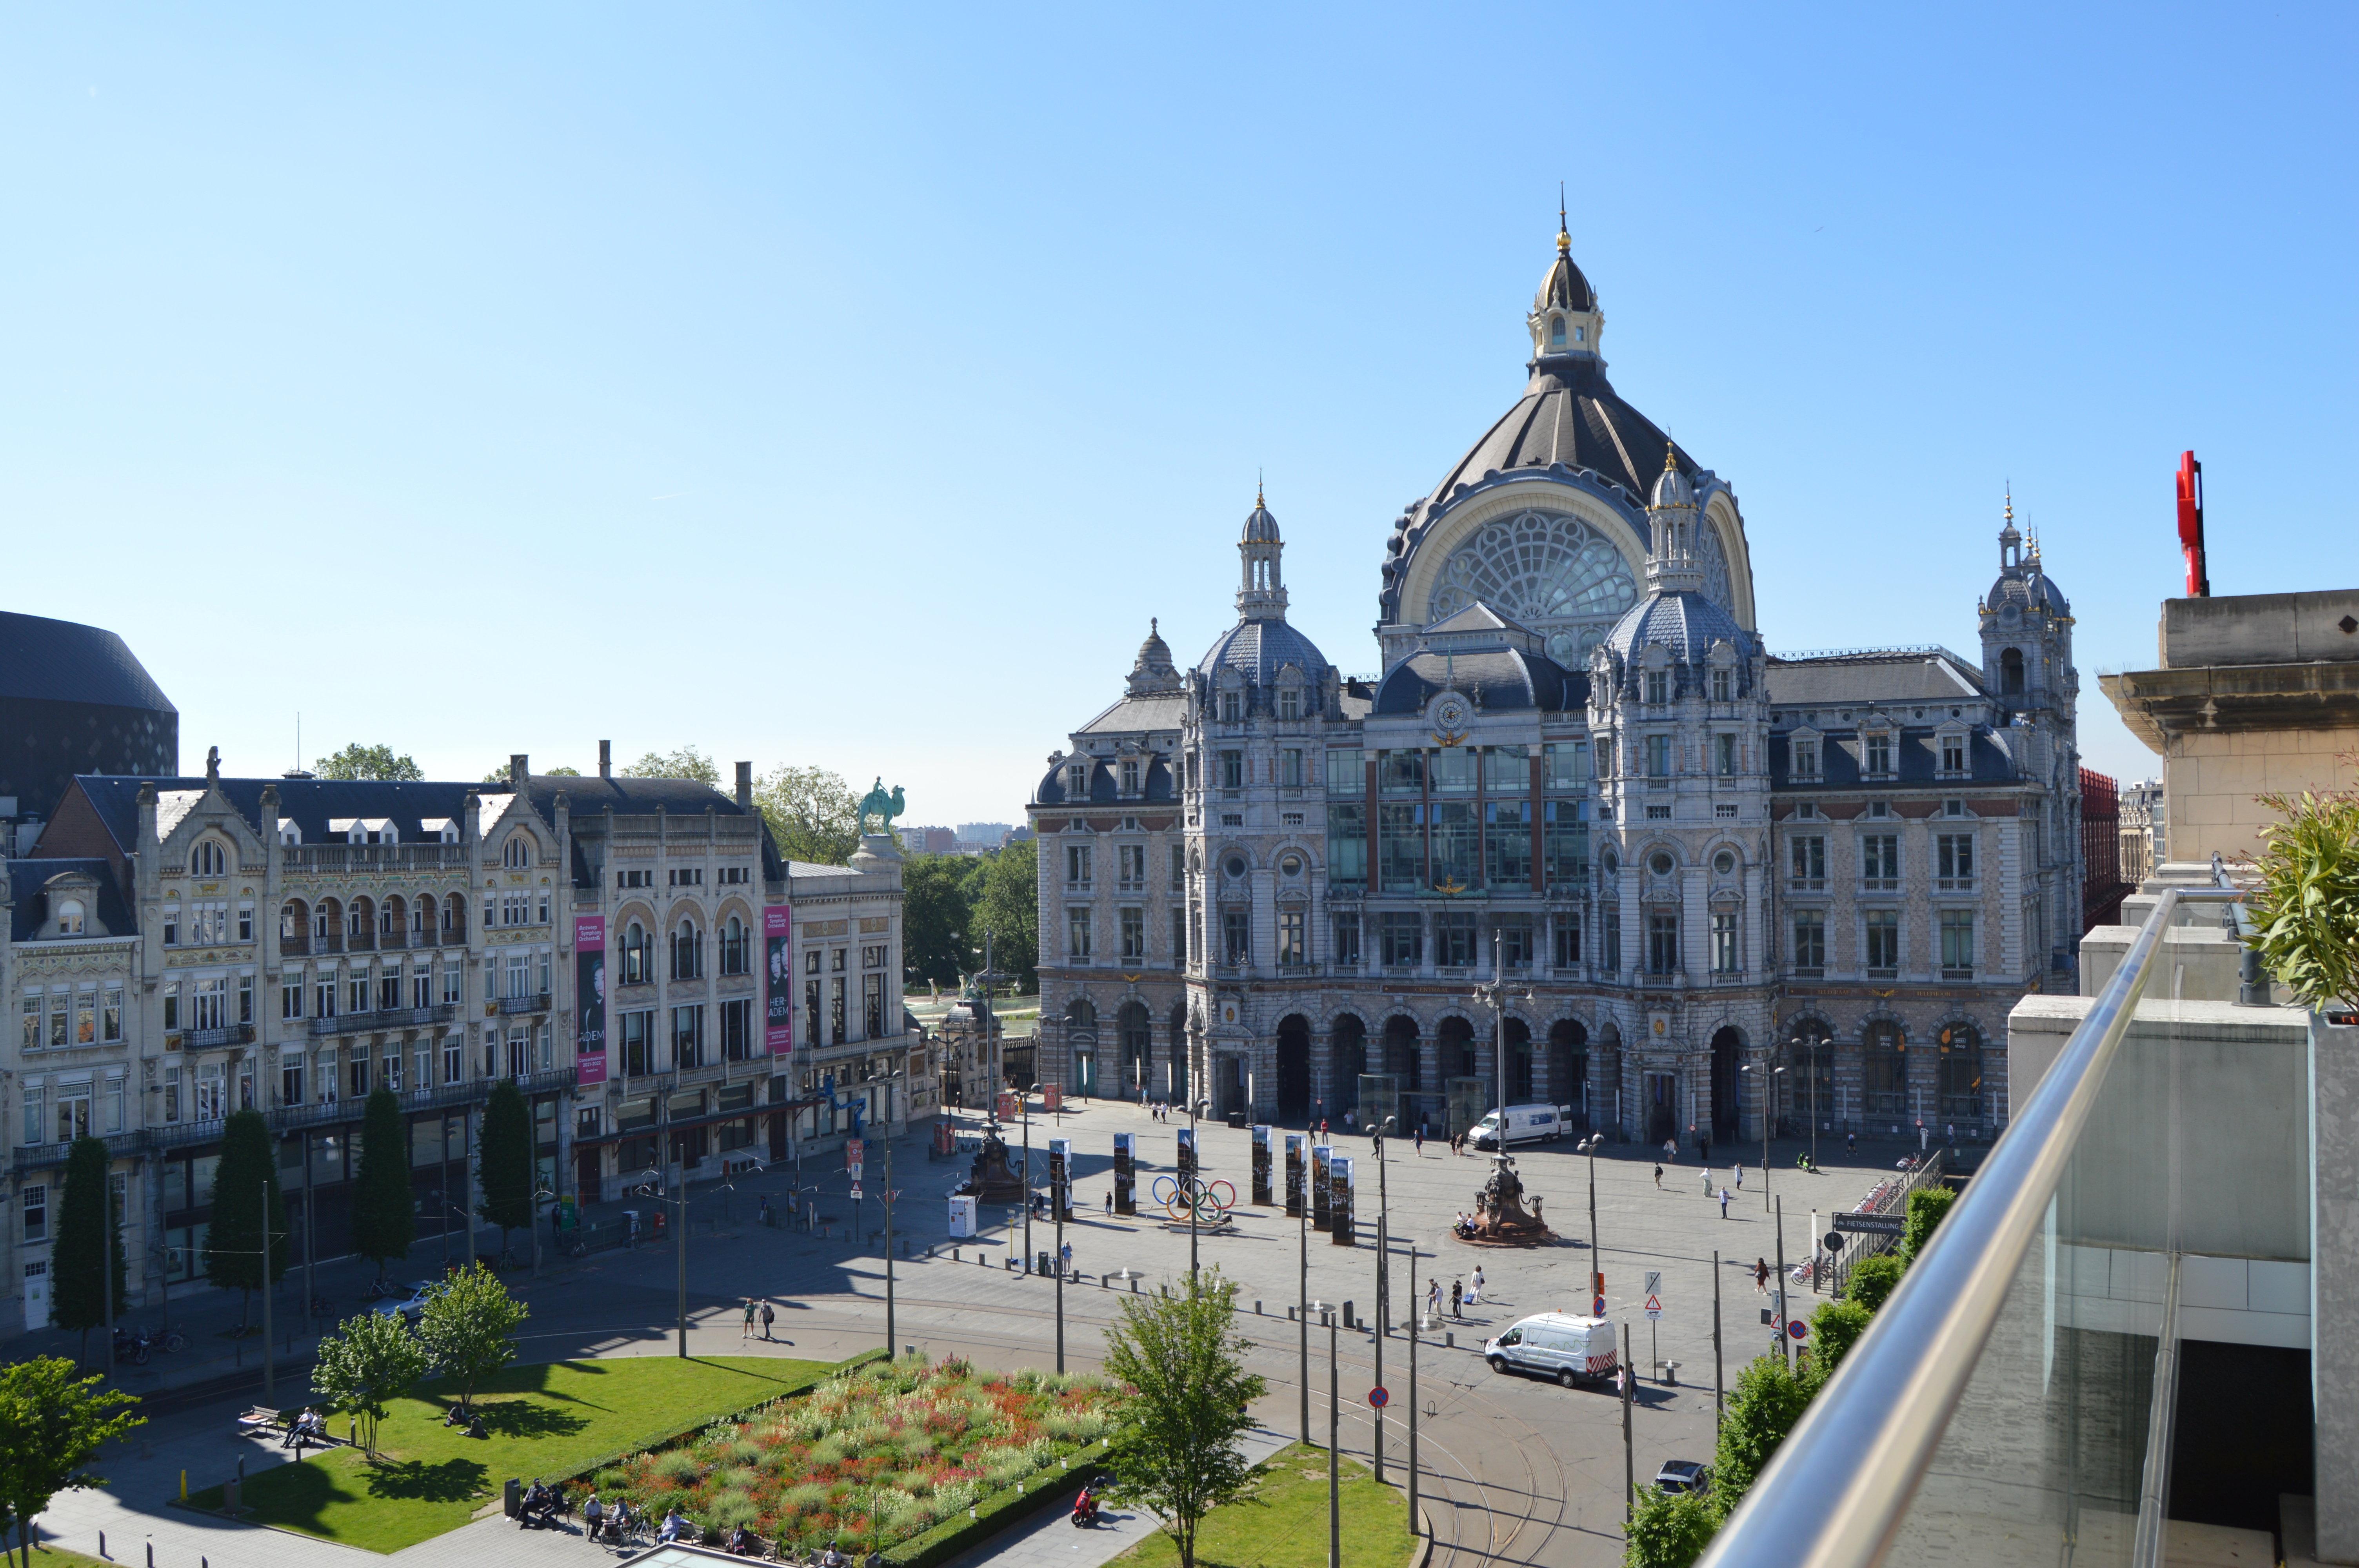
1654,1304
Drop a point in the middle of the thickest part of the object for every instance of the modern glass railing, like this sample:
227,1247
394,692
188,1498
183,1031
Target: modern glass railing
2012,1403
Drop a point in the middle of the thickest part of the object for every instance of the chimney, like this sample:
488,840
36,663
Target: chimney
745,786
605,759
519,770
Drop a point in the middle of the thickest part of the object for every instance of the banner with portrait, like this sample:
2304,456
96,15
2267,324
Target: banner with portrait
778,999
589,999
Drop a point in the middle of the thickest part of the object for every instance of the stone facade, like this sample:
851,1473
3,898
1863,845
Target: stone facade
188,947
1287,893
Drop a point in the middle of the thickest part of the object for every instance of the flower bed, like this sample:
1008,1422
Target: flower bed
872,1457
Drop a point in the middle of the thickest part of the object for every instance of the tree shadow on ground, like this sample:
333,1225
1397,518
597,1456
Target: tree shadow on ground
524,1418
450,1481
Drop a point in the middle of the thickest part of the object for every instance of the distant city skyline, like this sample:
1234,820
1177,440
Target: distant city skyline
766,381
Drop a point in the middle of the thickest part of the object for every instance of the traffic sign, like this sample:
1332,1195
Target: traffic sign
1597,1308
854,1150
1798,1329
858,1167
856,1191
1654,1306
1654,1283
1834,1242
1379,1397
1869,1224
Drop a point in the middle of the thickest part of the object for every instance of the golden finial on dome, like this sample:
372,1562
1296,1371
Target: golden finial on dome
2010,503
1563,234
1671,456
1260,504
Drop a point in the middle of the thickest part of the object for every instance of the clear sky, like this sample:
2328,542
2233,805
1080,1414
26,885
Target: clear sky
848,386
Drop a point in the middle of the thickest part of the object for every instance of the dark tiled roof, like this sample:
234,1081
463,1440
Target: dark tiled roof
27,886
1570,414
1104,789
62,661
1261,648
1502,680
1917,753
1686,623
1900,675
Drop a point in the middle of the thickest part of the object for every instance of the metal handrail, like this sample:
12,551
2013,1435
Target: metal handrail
1840,1484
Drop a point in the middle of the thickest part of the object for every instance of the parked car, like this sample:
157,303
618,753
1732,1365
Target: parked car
1556,1345
1682,1476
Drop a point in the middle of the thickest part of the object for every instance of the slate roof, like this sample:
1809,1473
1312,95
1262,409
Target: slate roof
1502,680
1897,676
1569,414
1686,623
1917,754
63,661
1138,713
1259,649
28,886
1104,789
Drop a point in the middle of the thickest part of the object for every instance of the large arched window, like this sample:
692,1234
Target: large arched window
206,860
638,956
737,947
516,853
1536,567
1556,331
687,951
2010,673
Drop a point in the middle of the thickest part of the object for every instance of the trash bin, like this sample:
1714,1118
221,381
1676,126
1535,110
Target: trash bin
1237,1119
511,1495
1048,1263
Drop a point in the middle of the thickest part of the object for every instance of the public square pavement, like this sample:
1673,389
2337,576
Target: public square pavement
1509,1467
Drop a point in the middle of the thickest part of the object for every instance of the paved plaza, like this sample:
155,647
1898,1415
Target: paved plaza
1509,1467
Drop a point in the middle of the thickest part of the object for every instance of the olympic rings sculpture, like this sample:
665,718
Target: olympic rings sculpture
1209,1201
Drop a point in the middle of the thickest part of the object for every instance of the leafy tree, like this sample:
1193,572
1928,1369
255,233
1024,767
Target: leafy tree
688,762
812,814
1186,1392
76,1262
1873,1278
51,1425
371,1360
245,1190
384,1222
2306,906
1763,1406
503,1161
937,940
468,1328
1926,1207
359,761
1835,1327
1670,1529
1009,911
499,775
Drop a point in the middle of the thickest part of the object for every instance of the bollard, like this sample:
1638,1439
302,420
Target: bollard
102,1534
1256,1302
230,1492
1134,1287
1289,1315
151,1554
1449,1341
1349,1320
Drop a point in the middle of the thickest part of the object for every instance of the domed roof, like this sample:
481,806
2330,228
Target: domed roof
2028,588
1152,671
1570,414
1564,287
1671,486
1261,523
1499,679
1259,649
1686,623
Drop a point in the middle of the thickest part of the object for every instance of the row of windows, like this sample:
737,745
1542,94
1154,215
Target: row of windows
684,948
1880,943
384,991
1880,862
1656,688
642,1053
1876,756
61,1112
1130,867
825,1009
87,1017
1131,924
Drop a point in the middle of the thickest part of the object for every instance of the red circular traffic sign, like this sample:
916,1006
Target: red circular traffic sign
1599,1308
1798,1329
1379,1397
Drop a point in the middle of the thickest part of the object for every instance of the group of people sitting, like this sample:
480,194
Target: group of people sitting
309,1426
464,1415
541,1505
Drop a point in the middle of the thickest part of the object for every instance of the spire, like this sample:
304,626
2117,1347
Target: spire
1672,566
1563,234
2010,542
1564,319
1262,594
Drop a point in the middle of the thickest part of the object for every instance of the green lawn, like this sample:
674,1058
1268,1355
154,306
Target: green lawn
547,1420
1282,1523
59,1557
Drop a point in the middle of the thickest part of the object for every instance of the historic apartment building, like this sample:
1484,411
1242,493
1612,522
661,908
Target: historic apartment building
633,953
1691,862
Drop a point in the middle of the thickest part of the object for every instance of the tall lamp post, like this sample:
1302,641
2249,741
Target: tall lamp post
1327,1311
1302,1309
1416,1316
651,1189
1589,1146
1769,1077
1384,1282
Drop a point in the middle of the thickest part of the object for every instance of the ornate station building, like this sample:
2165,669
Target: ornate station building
1582,824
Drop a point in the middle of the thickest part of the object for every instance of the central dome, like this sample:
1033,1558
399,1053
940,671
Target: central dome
1570,414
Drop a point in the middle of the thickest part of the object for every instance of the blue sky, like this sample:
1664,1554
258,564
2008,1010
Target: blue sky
850,386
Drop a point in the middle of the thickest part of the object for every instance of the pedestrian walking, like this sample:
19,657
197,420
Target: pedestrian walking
1432,1299
769,1316
1850,1146
1949,1134
1706,1182
1761,1276
1109,1207
1457,1299
1322,1135
748,1331
1740,1176
1416,1138
1921,1149
1671,1150
765,1214
1723,1203
1066,1254
1659,1176
1474,1295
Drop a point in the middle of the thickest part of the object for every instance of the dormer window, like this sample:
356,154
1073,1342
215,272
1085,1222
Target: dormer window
289,834
1231,707
205,860
1077,780
1658,686
1289,704
70,917
1878,754
1130,778
1805,753
1953,753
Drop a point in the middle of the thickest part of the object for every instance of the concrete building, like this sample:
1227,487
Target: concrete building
1274,887
624,949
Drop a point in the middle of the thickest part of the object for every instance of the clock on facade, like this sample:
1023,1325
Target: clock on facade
1450,716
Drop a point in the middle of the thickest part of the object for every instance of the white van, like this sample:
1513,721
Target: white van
1525,1124
1556,1345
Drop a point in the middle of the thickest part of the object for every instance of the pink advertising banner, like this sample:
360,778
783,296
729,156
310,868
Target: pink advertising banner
589,999
779,1010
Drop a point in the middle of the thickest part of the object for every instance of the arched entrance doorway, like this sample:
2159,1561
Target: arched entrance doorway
1960,1072
1811,1076
1401,1051
1347,1058
1519,1062
1174,1087
1459,1057
1293,1068
1727,1083
1885,1067
1081,1042
1137,1050
1568,1069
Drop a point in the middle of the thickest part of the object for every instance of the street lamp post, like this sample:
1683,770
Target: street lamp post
1769,1077
1589,1146
1303,1296
1193,1178
1416,1311
651,1189
1327,1311
1384,1282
